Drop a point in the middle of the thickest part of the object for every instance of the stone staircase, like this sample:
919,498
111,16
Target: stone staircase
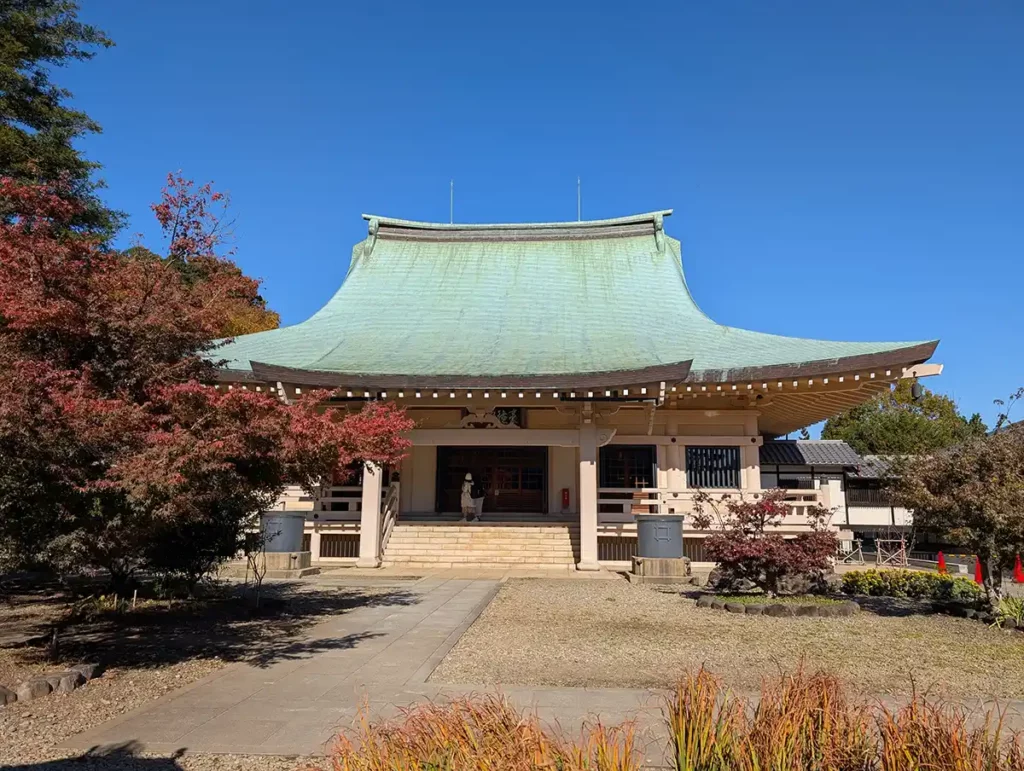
482,545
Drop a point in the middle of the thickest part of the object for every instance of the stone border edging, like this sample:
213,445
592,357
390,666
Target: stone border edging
962,611
780,609
64,681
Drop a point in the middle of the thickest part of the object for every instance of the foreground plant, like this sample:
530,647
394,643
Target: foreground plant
476,734
803,722
937,736
705,723
115,451
748,546
971,495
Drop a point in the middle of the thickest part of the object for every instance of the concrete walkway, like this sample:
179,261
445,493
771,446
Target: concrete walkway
378,656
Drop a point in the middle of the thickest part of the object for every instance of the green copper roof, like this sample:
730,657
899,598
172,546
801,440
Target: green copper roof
424,299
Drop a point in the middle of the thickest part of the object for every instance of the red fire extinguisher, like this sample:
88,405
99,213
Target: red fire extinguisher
565,499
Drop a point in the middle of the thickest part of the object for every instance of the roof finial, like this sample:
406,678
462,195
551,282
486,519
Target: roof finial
451,204
579,201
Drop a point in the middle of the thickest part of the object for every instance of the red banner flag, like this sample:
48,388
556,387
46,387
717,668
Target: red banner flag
1018,572
977,572
942,563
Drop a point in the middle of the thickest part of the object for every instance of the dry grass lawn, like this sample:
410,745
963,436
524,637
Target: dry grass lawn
614,634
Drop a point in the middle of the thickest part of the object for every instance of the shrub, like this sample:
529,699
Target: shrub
1012,608
809,723
923,735
911,583
749,547
479,733
799,722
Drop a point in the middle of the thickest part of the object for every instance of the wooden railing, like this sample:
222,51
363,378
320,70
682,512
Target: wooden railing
389,514
339,503
867,496
620,505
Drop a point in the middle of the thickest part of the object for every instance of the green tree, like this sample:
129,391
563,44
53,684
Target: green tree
971,494
894,423
38,128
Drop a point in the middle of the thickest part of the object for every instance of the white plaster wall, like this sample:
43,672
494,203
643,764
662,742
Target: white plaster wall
873,516
419,478
563,472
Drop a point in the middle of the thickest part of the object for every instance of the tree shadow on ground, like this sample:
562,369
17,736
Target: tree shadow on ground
897,607
29,605
122,757
224,627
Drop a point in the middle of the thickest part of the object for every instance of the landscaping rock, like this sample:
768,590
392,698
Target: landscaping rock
69,681
7,696
755,610
735,607
704,601
803,583
985,618
722,581
718,604
780,611
969,613
88,671
827,611
32,689
846,609
806,610
1009,623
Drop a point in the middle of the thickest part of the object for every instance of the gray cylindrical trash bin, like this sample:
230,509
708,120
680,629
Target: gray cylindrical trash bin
659,535
282,530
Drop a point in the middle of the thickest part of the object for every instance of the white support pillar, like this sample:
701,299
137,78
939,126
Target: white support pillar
369,521
675,466
314,543
588,498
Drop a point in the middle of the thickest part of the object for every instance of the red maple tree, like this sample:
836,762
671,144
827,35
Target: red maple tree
114,450
748,546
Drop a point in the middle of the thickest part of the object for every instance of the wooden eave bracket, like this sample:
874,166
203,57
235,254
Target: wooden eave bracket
922,370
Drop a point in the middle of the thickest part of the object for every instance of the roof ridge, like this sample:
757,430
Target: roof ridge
631,219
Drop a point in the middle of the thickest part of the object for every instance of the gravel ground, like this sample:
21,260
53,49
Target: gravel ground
614,634
147,654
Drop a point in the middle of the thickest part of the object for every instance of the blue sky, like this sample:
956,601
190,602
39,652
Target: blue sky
838,170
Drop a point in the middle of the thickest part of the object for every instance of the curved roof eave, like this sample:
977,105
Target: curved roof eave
668,373
904,356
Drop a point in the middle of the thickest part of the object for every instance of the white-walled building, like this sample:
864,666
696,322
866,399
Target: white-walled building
568,368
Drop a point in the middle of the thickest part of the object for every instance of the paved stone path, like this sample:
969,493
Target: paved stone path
379,656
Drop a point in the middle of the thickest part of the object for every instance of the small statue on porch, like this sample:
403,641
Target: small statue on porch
466,499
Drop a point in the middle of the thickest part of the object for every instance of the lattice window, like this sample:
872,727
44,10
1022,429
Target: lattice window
712,468
630,466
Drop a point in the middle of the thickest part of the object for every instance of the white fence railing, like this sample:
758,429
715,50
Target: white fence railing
389,515
620,505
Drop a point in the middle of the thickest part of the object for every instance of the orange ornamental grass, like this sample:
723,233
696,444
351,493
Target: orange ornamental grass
808,723
800,722
929,735
479,734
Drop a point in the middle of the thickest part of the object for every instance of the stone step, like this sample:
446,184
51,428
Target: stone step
481,556
452,559
487,545
554,569
475,528
538,542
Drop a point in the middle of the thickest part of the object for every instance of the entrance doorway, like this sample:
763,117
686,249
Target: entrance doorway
515,479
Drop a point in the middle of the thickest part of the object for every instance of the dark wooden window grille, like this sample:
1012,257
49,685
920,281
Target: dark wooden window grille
630,466
713,467
867,495
339,545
